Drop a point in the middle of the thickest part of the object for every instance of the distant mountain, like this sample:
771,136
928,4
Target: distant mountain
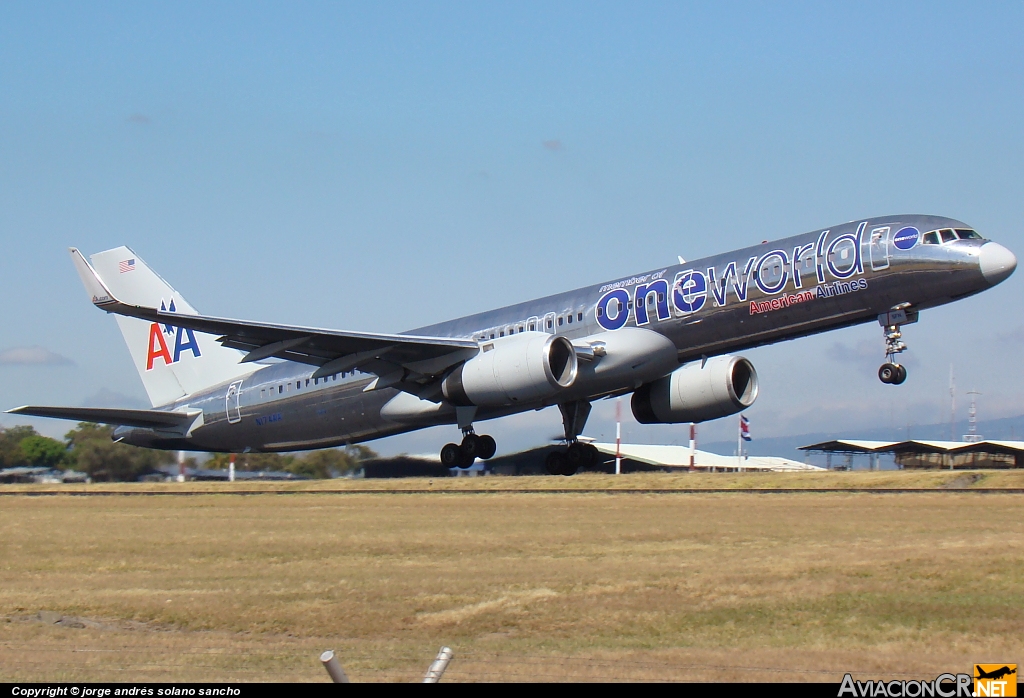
1008,428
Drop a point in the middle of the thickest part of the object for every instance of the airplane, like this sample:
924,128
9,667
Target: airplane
995,674
668,336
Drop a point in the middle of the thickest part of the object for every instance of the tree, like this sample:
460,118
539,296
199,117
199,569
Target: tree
43,451
321,465
332,462
93,452
11,454
86,431
106,460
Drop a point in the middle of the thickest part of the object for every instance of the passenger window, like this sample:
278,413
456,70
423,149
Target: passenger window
501,334
931,238
533,327
559,320
263,393
948,235
492,335
307,382
520,328
661,297
570,319
280,389
968,235
579,316
549,324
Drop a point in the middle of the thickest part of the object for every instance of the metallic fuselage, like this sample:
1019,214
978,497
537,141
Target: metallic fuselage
775,291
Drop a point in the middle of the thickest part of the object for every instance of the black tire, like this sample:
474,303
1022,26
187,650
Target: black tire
901,374
575,456
465,461
570,468
488,447
591,455
470,446
451,456
887,372
556,463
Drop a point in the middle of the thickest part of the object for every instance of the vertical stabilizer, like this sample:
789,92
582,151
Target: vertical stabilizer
172,361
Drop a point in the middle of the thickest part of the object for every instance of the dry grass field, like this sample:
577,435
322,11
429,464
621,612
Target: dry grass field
543,586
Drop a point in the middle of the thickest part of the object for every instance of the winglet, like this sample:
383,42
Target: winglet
98,292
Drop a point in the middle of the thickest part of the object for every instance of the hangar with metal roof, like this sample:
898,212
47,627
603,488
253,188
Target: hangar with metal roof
920,454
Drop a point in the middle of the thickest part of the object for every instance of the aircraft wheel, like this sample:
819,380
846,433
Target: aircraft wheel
592,455
887,372
487,447
556,463
901,374
451,456
470,446
576,456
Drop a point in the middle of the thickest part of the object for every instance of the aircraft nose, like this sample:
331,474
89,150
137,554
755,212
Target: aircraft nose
997,262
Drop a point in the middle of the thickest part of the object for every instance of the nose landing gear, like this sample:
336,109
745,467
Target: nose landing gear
891,372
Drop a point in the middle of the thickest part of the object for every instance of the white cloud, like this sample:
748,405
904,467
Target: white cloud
33,356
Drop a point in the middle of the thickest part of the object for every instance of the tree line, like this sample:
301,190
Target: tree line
88,448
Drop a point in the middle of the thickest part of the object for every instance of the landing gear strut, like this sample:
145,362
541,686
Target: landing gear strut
473,445
577,455
891,372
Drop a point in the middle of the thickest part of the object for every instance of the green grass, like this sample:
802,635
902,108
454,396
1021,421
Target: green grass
580,586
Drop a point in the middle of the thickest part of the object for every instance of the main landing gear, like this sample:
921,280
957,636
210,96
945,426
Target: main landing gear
473,446
576,455
891,372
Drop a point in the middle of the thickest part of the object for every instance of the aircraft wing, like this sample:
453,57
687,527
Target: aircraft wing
407,362
150,419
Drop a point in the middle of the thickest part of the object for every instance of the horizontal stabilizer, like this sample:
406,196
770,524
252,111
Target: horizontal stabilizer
148,419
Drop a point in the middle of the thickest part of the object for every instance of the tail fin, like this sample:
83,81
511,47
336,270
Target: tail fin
172,361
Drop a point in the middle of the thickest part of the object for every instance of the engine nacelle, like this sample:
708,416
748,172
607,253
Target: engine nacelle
520,368
724,386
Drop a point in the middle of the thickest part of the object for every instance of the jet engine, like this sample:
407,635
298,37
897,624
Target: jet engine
520,368
692,393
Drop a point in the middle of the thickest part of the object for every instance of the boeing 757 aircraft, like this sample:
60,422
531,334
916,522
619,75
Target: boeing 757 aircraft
667,336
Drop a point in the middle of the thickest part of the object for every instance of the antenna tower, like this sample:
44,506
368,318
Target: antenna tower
972,420
952,405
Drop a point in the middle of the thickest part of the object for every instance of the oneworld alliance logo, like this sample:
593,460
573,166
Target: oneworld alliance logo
906,238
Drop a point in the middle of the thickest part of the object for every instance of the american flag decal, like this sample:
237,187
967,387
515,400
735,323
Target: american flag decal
126,265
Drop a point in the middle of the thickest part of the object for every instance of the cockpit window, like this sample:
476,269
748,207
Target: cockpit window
967,234
947,235
931,238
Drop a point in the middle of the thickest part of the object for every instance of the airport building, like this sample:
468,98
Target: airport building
927,455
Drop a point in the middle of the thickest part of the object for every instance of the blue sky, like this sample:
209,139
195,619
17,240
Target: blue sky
388,165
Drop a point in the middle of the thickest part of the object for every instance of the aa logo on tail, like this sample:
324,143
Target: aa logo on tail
184,340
